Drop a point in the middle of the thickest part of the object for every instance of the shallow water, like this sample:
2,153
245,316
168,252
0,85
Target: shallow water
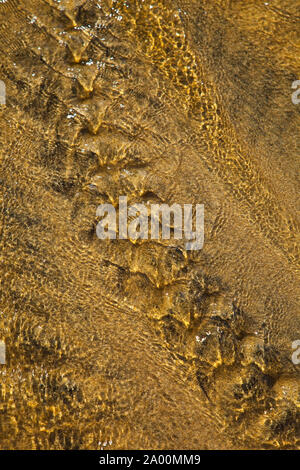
144,344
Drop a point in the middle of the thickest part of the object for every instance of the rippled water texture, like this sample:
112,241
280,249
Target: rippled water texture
145,345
